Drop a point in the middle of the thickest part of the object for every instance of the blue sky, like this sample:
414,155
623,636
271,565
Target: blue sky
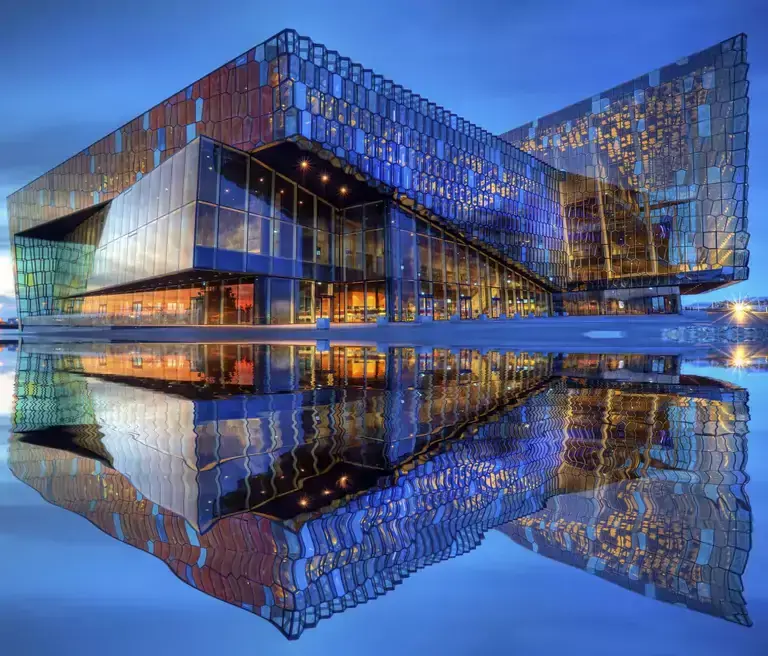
73,71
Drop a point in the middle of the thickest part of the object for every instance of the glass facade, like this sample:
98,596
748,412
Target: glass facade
280,253
655,191
145,232
439,275
643,186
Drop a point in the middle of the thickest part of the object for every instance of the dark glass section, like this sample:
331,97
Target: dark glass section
280,309
285,196
233,182
259,189
208,184
305,209
325,216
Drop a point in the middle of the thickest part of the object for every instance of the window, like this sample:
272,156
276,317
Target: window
424,259
205,230
375,301
305,209
212,292
284,196
407,255
232,182
143,190
245,303
260,301
186,245
209,179
191,166
355,303
174,240
450,261
474,266
305,302
375,215
177,181
305,245
353,256
463,263
259,190
161,245
154,195
283,239
325,216
229,302
374,253
231,229
259,235
164,201
280,300
353,219
408,301
323,248
437,259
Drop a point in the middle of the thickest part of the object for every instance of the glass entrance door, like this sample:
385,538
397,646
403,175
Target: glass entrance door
465,307
495,307
426,305
325,307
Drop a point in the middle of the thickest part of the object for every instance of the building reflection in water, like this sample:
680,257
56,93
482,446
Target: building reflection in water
297,482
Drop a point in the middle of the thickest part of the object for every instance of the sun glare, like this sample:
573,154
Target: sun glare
740,358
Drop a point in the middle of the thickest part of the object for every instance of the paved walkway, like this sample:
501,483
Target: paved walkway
600,334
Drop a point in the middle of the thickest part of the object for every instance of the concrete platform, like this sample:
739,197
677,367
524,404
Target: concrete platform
585,334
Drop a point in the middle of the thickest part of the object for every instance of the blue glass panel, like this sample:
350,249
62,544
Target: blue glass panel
257,263
228,260
204,257
282,267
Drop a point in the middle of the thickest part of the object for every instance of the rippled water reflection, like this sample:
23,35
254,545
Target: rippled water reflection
297,482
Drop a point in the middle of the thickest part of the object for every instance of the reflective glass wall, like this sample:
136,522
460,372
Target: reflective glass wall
145,232
317,259
290,88
656,300
440,275
655,191
148,229
266,250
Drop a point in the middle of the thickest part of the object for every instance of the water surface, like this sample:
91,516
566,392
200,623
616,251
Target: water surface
299,499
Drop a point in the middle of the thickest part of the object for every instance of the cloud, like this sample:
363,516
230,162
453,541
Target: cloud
6,275
7,307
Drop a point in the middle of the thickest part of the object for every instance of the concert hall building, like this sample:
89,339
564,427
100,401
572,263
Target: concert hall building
293,184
